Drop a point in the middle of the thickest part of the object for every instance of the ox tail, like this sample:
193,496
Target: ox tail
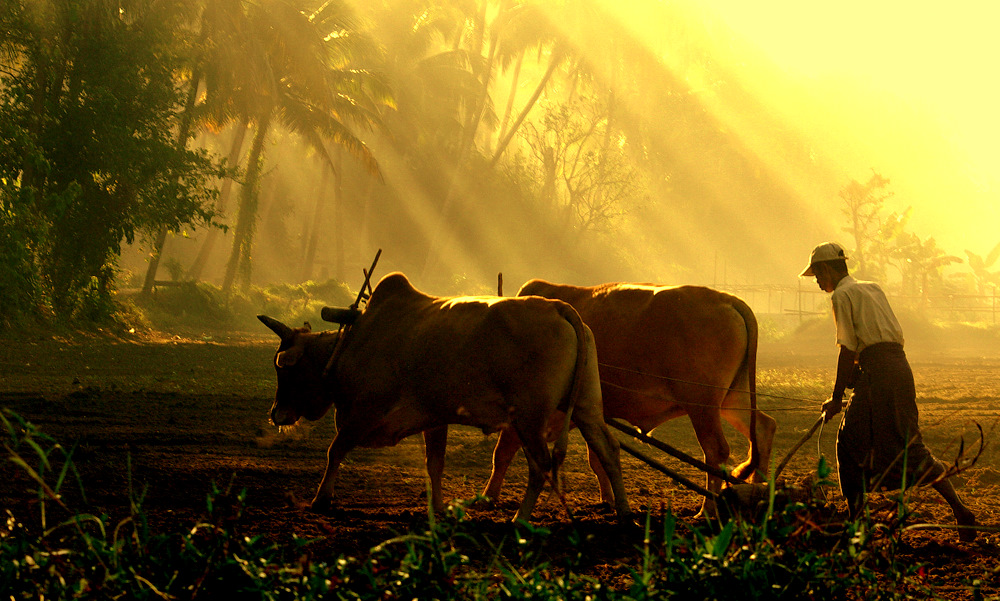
579,374
750,365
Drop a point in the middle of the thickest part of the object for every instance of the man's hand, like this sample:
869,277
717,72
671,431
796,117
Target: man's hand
831,407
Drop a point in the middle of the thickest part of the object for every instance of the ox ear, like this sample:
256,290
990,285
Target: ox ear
306,325
288,358
284,332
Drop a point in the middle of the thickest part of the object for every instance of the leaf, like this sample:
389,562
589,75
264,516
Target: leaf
975,262
721,541
993,256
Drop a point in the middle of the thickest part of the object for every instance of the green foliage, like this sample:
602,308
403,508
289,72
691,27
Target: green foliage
90,159
23,292
788,552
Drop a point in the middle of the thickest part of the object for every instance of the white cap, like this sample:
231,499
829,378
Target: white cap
828,251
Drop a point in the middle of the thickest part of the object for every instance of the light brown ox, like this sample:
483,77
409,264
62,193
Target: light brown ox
415,363
665,352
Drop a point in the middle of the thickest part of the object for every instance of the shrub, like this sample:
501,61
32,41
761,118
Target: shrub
23,293
199,304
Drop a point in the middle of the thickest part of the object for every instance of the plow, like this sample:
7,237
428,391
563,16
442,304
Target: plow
738,495
741,497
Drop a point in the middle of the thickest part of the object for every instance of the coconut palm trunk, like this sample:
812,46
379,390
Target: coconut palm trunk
502,146
240,258
221,205
184,132
316,224
338,214
468,135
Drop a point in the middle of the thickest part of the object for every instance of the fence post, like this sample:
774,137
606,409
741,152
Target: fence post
799,298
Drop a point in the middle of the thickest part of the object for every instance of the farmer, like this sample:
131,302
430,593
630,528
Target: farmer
879,433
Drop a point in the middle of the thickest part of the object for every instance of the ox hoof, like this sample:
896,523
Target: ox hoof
967,535
629,524
322,506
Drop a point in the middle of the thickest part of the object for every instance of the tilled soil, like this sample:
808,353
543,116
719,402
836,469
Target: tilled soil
168,418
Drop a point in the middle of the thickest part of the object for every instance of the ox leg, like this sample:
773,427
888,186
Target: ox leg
607,496
601,443
342,444
508,444
536,450
435,440
588,415
738,415
708,429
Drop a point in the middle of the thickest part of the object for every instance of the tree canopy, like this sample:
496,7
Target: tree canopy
90,104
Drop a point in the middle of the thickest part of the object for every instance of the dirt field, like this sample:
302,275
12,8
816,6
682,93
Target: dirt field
191,411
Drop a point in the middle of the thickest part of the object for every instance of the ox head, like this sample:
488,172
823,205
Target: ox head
299,362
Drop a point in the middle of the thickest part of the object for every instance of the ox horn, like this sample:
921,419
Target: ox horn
276,326
340,315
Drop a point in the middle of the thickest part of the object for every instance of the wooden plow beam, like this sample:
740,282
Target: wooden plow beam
680,479
676,453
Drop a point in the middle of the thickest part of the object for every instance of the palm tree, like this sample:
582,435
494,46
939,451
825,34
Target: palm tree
920,263
207,54
308,82
222,203
981,266
264,62
532,26
431,64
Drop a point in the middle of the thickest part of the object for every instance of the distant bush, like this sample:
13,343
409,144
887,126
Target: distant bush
202,305
788,552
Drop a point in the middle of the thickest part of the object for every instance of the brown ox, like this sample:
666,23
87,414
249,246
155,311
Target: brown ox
414,363
666,352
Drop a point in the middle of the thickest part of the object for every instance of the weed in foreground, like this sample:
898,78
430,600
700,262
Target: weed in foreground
785,553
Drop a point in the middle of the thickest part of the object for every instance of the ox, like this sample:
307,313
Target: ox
414,363
666,352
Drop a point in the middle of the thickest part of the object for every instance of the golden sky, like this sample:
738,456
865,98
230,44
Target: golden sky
910,89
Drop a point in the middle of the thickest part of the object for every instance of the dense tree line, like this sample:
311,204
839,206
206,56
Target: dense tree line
91,155
100,103
102,100
475,136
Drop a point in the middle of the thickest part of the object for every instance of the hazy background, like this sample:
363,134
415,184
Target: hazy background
742,123
905,89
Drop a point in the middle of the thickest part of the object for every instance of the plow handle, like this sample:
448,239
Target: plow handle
798,445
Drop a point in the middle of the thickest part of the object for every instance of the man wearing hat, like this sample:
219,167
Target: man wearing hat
879,433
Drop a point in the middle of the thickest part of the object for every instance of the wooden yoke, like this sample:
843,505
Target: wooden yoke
346,316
